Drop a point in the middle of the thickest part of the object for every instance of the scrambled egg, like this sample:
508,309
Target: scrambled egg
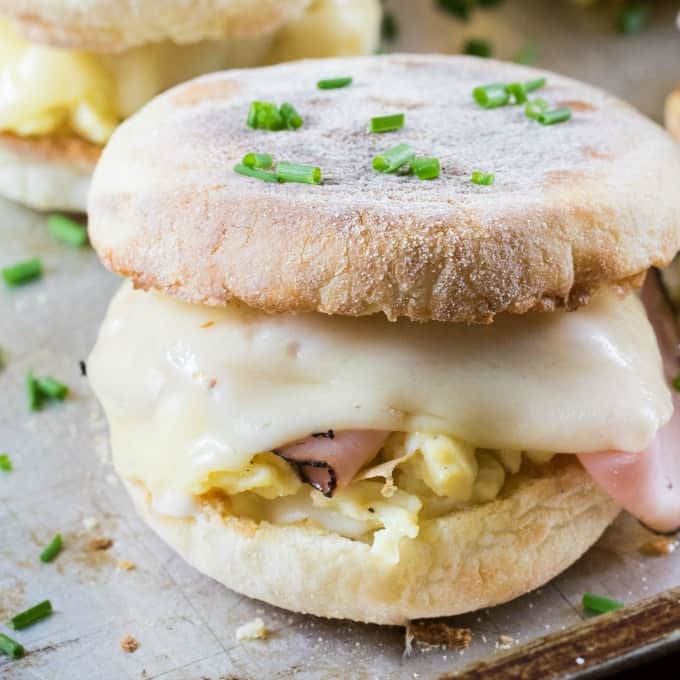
45,90
416,476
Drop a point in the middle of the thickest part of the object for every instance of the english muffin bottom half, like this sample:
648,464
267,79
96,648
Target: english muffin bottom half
72,71
388,375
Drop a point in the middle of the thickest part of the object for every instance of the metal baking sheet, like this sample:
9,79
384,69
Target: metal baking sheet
184,622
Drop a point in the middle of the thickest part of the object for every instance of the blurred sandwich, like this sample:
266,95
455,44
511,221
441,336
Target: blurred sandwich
70,72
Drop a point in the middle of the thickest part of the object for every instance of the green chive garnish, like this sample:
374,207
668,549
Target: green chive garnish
477,47
31,616
303,174
458,8
600,605
11,647
389,123
22,272
258,160
66,230
334,83
425,168
536,107
527,54
389,28
265,116
676,383
632,19
394,158
52,550
291,118
491,96
551,117
34,395
5,462
49,387
255,172
483,178
520,90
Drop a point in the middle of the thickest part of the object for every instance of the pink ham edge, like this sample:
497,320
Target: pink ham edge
328,462
647,484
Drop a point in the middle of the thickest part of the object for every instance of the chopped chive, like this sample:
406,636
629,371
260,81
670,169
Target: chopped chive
258,160
478,47
483,178
520,90
264,175
265,116
537,84
291,117
41,611
551,117
389,123
527,54
35,396
334,83
491,96
598,604
66,230
49,387
52,550
303,174
535,108
389,28
394,158
632,19
5,462
425,168
11,647
22,272
676,383
458,8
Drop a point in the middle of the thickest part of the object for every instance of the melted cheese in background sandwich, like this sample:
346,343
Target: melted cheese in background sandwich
46,90
198,397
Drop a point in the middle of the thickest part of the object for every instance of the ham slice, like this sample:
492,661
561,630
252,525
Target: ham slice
329,460
647,484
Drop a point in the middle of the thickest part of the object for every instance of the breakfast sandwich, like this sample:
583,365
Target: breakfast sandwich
70,71
380,354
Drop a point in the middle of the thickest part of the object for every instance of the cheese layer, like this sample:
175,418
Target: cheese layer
46,90
191,391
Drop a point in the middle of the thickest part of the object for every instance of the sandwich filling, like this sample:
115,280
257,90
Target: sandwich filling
52,91
367,427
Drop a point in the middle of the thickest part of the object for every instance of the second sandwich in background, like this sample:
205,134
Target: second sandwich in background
70,73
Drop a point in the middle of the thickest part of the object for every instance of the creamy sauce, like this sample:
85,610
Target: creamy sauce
191,390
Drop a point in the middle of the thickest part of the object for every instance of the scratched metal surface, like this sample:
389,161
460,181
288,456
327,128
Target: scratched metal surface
184,622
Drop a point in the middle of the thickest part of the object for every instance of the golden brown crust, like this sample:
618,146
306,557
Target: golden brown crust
47,173
470,559
574,206
113,26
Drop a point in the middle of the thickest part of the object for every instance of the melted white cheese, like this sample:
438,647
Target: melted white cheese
190,390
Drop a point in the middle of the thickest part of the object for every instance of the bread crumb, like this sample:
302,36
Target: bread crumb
431,634
126,565
101,543
659,546
207,324
504,642
129,644
253,630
